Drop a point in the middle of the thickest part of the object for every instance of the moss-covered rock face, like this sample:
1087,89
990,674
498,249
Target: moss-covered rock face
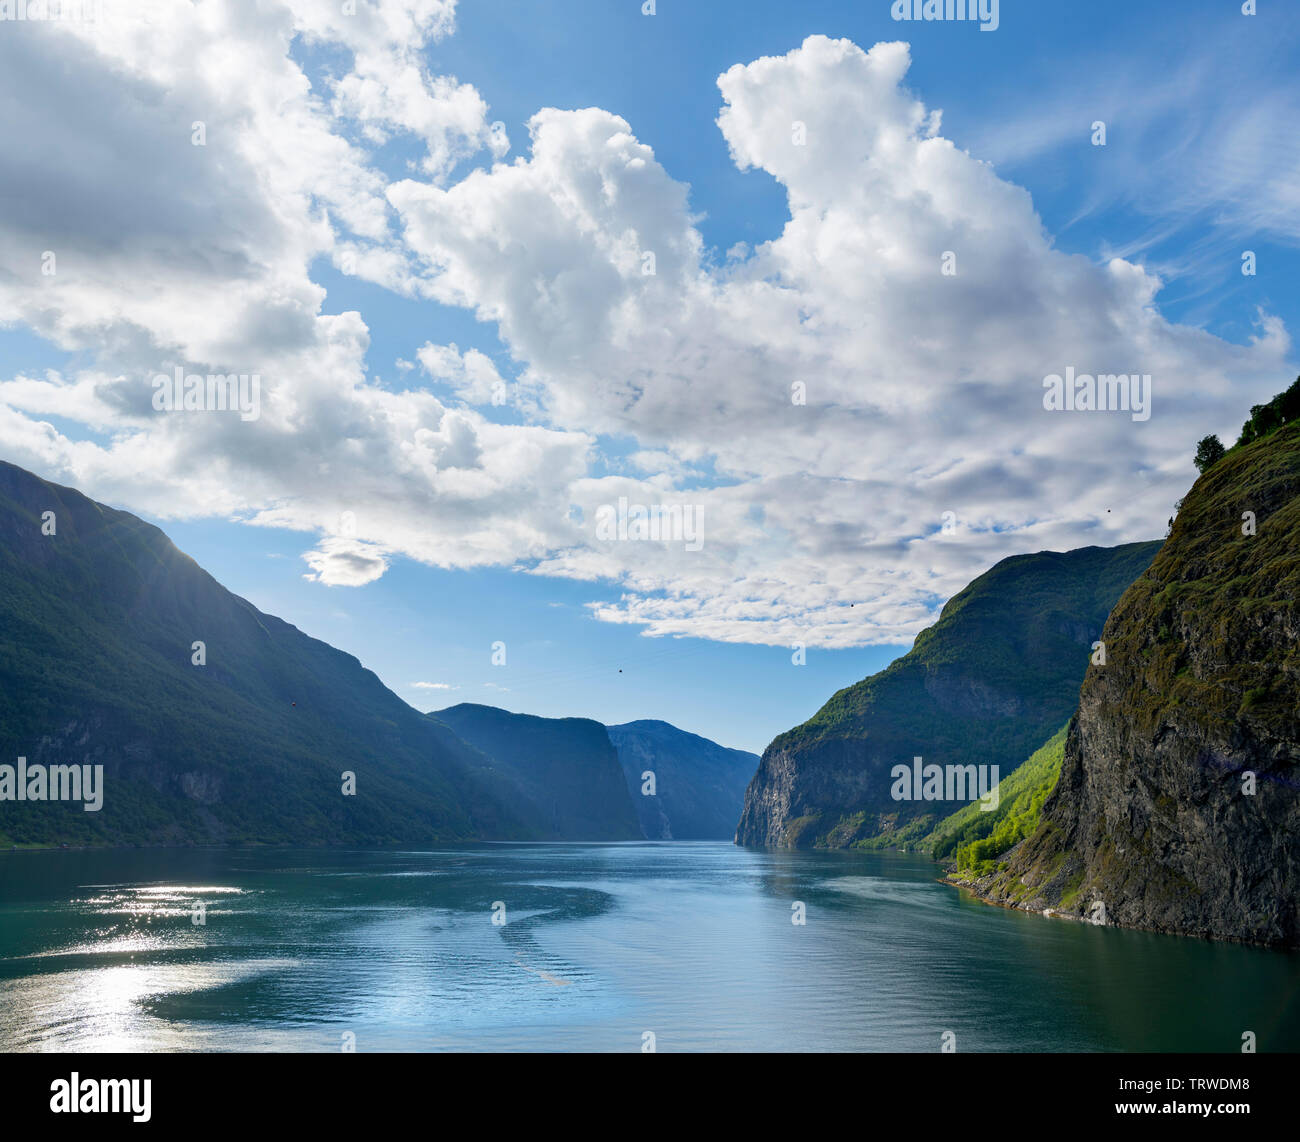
986,685
1153,814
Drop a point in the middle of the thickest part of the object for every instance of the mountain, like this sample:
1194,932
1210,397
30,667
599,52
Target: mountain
987,684
699,785
98,622
218,724
565,770
1177,804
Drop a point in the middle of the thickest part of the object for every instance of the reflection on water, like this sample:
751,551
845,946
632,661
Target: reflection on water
601,943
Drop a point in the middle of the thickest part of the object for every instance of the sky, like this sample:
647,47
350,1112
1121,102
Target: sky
795,272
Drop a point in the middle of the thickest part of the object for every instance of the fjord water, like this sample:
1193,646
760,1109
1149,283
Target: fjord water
601,944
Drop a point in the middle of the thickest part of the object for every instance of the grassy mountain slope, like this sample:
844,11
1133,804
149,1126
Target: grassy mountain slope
973,839
987,684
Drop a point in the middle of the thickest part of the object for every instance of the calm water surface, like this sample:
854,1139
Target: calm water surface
602,943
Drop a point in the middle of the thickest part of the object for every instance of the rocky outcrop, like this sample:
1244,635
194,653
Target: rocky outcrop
1178,805
996,676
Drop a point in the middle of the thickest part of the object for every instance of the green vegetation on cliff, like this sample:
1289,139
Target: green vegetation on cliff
1022,631
992,680
1176,803
1266,419
974,839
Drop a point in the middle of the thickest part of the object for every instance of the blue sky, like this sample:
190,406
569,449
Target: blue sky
1200,165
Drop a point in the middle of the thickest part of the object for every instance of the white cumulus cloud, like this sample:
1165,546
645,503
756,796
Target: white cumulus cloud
820,403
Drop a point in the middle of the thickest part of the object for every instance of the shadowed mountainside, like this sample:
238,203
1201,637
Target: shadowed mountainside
699,785
565,770
97,626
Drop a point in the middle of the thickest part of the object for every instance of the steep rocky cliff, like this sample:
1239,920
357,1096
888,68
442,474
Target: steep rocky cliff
699,785
1178,805
987,684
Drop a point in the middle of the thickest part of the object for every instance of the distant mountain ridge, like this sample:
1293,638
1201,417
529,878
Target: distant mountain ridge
590,777
699,785
986,684
565,770
216,723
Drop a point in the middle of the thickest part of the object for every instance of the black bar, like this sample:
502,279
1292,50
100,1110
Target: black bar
363,1091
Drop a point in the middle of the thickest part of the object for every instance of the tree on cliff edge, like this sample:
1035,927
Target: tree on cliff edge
1209,451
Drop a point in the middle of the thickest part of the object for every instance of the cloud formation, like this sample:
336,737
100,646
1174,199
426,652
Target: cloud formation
853,409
